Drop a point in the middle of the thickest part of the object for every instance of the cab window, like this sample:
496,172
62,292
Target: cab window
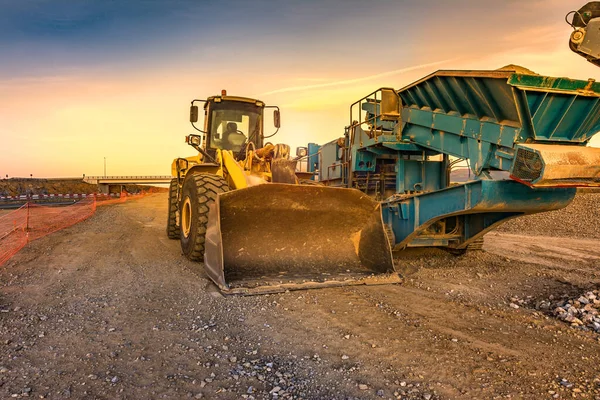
233,124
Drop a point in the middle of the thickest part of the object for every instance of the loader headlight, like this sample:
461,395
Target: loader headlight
301,151
194,140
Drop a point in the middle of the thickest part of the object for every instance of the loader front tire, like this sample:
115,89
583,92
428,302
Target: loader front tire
172,228
199,192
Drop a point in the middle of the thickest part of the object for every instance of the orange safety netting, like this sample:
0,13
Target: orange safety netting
13,235
33,221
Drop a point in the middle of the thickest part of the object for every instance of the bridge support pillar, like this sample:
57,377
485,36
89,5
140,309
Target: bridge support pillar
103,188
110,188
116,188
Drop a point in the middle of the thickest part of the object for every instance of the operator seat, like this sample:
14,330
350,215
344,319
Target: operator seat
233,139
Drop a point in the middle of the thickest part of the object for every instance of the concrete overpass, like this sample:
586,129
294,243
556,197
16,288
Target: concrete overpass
105,182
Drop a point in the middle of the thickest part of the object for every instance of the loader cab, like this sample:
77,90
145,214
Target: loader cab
231,122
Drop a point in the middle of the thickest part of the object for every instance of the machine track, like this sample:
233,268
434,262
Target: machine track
172,228
199,192
476,245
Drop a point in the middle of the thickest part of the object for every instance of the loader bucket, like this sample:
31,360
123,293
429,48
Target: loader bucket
275,237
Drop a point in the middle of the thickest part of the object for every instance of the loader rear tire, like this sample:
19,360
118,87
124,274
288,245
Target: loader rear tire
199,192
172,228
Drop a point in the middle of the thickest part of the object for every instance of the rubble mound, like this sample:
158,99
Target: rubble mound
35,186
582,312
579,220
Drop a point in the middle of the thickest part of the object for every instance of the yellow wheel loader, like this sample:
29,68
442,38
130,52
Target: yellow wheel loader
238,206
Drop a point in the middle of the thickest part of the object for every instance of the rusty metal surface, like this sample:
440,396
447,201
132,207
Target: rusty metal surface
496,74
567,165
302,175
265,151
279,287
283,171
213,246
294,236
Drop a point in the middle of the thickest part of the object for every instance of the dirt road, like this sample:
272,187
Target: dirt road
109,309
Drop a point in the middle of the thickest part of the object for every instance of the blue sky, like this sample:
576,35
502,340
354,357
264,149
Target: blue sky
56,36
114,78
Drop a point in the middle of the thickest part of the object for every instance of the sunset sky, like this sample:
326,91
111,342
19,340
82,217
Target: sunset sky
84,80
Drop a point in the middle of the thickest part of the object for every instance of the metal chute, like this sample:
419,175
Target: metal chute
552,165
276,237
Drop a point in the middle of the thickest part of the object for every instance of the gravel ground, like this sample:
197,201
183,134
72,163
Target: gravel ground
109,309
579,219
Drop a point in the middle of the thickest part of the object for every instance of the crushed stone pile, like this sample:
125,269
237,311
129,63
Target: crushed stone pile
579,219
582,312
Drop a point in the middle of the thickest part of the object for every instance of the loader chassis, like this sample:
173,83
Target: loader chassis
237,206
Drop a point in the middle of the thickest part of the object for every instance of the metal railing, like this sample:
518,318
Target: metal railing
129,177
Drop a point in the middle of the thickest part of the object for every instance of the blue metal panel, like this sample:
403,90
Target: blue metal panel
480,95
420,175
446,122
563,117
313,157
364,161
498,109
479,205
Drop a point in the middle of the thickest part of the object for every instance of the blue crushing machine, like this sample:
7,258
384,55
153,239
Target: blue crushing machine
523,137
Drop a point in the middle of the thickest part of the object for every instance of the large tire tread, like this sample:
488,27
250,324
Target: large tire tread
207,187
172,228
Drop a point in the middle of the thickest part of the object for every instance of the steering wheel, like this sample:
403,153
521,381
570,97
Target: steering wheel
238,132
